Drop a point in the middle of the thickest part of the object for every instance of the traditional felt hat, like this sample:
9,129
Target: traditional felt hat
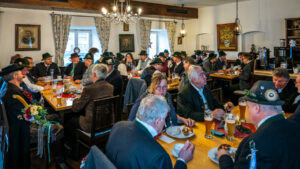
74,55
263,92
198,52
108,60
177,55
212,56
161,54
166,51
22,62
143,52
89,56
183,53
222,53
156,61
46,55
105,53
111,54
10,68
120,56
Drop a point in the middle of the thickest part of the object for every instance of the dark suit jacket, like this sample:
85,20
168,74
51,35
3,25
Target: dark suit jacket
147,74
99,89
115,79
277,144
190,103
177,69
130,145
288,94
40,70
209,67
238,62
18,156
78,71
245,76
220,64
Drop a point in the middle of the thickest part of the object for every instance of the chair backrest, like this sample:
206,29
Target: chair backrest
96,159
135,87
125,81
106,113
218,94
128,108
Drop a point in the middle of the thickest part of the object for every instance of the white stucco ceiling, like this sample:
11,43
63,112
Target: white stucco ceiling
190,3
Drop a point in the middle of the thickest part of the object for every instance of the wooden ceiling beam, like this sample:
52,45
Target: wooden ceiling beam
94,6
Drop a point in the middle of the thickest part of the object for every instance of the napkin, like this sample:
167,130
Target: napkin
166,139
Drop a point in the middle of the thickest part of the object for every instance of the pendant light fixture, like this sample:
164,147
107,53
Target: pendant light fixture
237,28
182,29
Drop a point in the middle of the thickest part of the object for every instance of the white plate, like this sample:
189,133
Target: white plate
172,131
213,154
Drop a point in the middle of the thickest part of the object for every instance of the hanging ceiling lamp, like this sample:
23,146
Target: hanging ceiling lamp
182,29
122,12
237,28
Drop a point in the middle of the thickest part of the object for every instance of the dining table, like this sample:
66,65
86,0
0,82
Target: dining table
202,145
229,77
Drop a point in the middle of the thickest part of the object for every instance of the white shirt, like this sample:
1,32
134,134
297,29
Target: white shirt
122,69
31,86
200,91
110,72
263,120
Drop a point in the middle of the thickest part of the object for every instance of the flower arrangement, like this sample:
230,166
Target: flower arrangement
226,36
35,114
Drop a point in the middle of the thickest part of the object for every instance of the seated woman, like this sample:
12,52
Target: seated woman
159,86
129,62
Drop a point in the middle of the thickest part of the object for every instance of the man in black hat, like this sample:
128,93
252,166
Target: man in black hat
87,76
222,63
18,155
275,143
76,69
155,66
44,68
177,66
166,54
209,66
113,75
144,61
163,58
198,57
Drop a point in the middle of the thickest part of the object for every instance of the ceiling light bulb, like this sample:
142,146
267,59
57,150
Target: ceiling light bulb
139,11
104,11
128,8
115,8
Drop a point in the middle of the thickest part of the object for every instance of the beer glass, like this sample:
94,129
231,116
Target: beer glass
242,106
208,121
230,122
58,100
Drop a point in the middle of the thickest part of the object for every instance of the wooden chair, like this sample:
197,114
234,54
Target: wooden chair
106,113
218,94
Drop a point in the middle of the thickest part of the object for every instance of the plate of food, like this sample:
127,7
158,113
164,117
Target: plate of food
180,132
213,153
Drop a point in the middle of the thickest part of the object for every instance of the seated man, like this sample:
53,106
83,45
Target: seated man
210,65
76,69
155,67
222,63
132,144
99,89
188,61
177,66
87,76
144,61
44,68
285,88
239,60
113,75
195,95
164,61
18,155
274,142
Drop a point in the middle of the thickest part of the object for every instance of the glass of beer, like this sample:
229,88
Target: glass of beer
58,100
242,106
230,122
208,121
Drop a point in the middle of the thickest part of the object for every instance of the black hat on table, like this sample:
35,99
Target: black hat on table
143,52
22,62
263,92
212,56
177,55
156,61
46,55
10,68
222,53
89,56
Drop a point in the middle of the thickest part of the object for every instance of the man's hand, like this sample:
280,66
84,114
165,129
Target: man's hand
218,113
189,122
229,105
222,152
187,152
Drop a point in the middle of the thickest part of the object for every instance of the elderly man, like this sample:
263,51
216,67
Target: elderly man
99,89
18,155
285,88
132,144
144,61
87,76
44,68
155,67
276,140
195,95
76,69
188,61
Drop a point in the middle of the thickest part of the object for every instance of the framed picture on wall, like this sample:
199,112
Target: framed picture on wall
125,27
27,37
227,39
179,41
126,42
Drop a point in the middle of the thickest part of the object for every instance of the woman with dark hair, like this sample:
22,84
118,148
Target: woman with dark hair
129,62
159,86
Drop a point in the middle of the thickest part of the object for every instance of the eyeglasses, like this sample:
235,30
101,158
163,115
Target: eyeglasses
161,87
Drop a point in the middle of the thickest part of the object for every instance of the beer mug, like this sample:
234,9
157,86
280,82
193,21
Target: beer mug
242,107
230,123
208,121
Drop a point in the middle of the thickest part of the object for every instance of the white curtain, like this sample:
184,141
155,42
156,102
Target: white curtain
145,28
61,27
171,29
103,29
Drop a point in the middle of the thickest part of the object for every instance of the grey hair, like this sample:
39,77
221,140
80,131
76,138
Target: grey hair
280,72
151,108
9,76
271,109
100,70
192,72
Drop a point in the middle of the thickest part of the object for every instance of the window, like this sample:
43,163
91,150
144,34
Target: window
84,38
158,42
